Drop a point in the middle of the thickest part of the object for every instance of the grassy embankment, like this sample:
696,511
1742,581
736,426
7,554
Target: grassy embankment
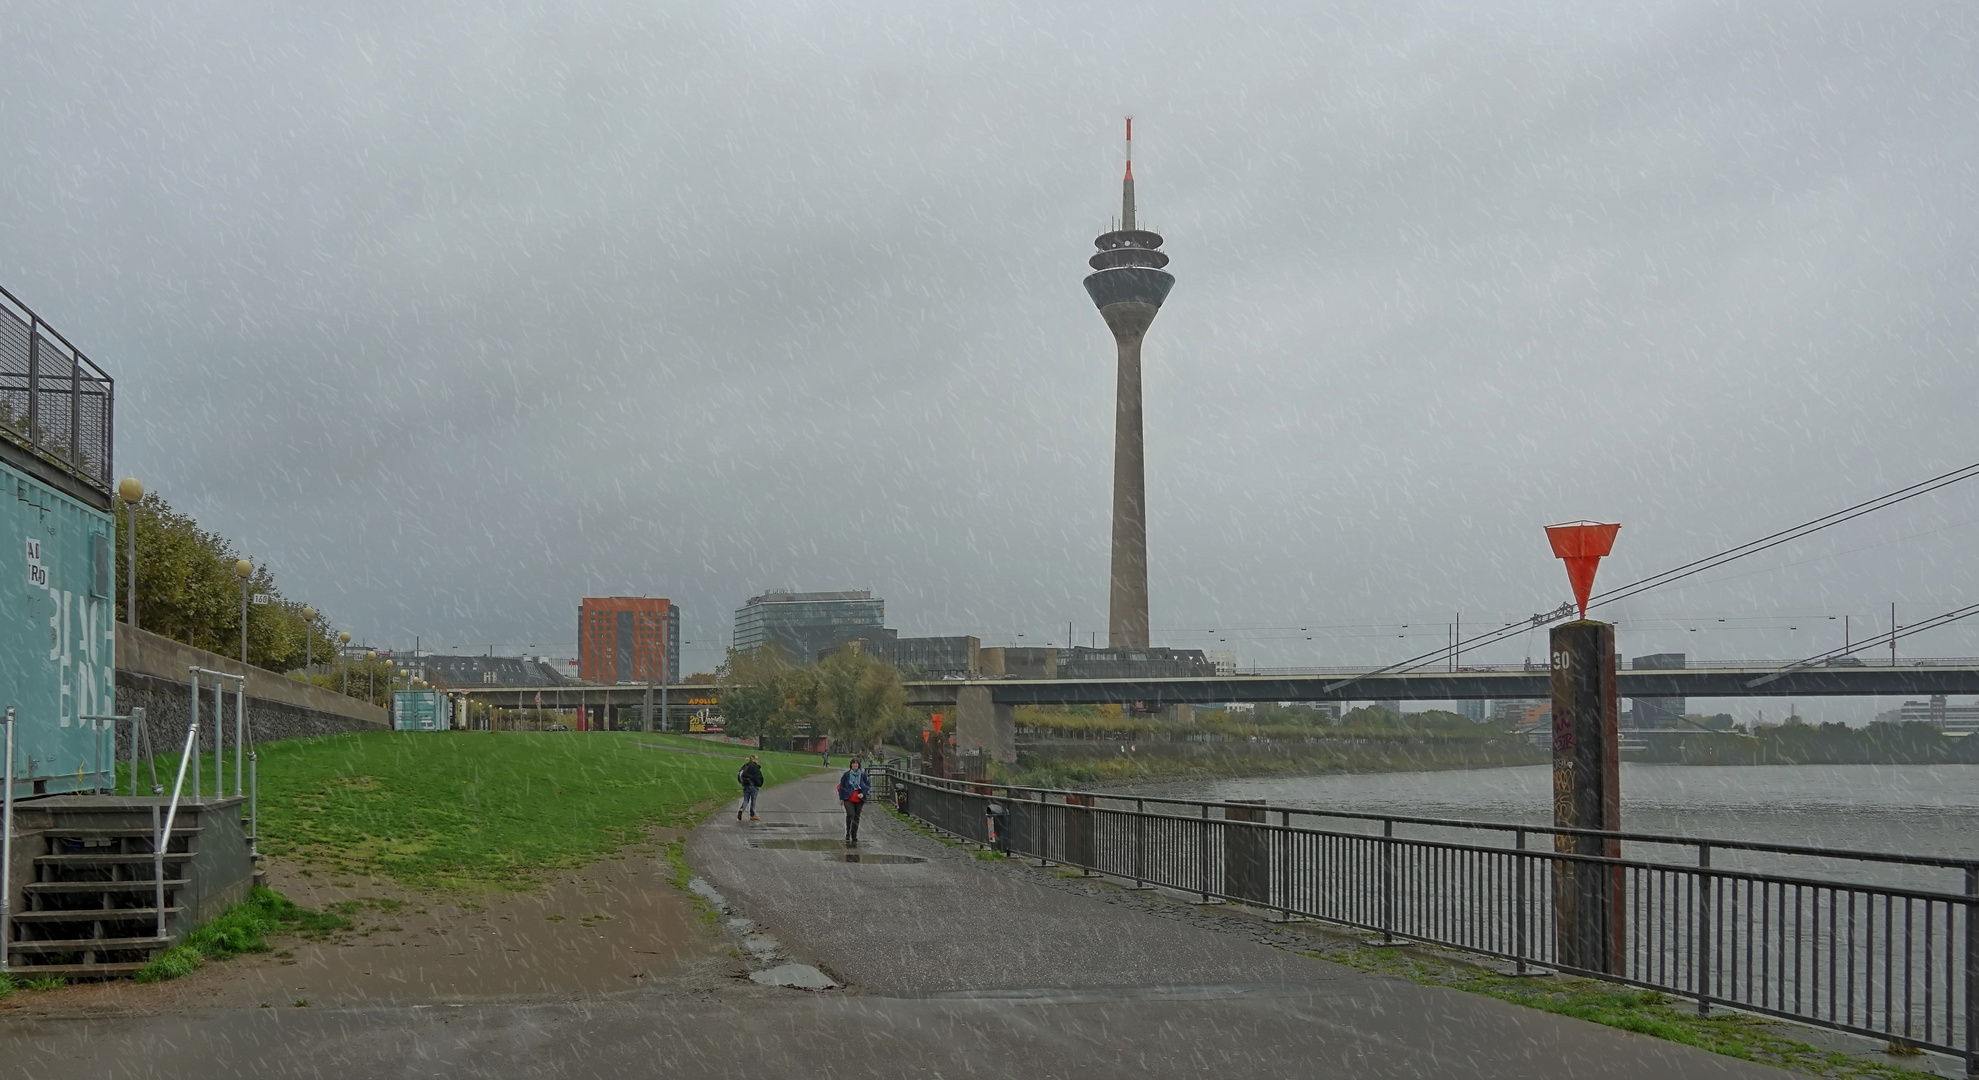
1073,746
479,811
459,811
1646,1012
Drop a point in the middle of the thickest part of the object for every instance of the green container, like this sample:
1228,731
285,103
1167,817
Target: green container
421,710
57,634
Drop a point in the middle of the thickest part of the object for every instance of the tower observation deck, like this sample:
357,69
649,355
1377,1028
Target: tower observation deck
1128,286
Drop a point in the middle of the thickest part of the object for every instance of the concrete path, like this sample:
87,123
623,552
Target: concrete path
1011,967
956,968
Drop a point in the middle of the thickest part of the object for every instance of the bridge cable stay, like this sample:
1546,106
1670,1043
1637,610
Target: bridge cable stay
1932,623
1754,547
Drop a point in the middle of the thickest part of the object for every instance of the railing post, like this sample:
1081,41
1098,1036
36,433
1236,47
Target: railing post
1387,881
1972,971
240,729
7,852
137,721
1202,855
1140,842
1703,930
34,381
1044,829
1521,913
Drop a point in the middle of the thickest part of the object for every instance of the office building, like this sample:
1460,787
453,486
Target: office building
1941,714
466,672
921,657
628,639
1657,712
1019,662
803,624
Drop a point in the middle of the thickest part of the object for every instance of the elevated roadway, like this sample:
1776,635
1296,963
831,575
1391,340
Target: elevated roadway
981,709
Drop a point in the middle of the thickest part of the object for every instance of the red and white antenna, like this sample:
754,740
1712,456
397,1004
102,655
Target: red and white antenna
1127,182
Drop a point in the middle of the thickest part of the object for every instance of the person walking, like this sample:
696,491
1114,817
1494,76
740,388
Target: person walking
750,776
853,789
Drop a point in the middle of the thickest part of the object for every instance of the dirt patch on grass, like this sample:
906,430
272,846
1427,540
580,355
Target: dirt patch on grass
618,926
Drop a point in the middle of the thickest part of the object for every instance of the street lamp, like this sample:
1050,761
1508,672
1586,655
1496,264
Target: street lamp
371,676
129,490
243,570
343,654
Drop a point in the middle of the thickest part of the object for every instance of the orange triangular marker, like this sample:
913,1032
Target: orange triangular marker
1582,544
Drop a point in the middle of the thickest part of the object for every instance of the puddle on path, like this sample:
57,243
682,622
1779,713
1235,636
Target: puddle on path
813,844
873,857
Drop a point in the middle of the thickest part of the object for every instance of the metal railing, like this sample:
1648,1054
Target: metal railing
171,815
1871,943
1537,667
53,399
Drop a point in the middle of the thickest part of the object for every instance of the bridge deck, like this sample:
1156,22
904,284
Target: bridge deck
1914,679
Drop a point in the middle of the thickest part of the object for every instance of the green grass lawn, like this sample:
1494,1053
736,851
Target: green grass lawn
480,810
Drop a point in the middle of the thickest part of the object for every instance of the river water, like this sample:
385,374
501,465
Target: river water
1927,810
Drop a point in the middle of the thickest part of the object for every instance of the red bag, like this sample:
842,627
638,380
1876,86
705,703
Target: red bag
857,796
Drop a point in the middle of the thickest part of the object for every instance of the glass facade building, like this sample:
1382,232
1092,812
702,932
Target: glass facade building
804,624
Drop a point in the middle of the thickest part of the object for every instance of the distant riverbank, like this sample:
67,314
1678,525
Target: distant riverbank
1068,762
1913,809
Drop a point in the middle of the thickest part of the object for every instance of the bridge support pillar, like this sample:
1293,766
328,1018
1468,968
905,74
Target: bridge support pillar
1587,897
981,722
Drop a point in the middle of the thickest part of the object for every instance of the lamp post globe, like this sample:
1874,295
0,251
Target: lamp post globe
343,655
129,490
308,639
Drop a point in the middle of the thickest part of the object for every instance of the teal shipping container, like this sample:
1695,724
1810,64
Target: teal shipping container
421,710
57,583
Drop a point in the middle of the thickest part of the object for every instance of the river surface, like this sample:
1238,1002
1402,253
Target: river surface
1929,810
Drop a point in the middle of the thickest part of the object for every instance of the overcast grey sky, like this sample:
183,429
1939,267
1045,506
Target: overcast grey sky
455,314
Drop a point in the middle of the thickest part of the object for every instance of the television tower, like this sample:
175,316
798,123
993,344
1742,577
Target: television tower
1128,287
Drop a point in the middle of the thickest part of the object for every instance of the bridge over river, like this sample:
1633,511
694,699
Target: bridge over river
981,709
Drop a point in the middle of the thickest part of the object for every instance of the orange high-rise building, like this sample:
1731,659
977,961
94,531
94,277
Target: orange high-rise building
628,639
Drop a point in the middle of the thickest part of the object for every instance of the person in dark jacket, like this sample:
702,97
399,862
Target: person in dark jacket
751,779
854,788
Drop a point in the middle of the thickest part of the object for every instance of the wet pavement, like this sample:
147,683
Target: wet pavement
950,967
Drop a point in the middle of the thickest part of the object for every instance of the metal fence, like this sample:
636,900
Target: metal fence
1871,943
53,399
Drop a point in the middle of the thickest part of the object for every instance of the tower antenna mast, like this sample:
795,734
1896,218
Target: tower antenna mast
1127,182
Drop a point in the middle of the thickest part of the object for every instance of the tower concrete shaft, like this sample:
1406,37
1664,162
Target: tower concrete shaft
1127,594
1128,287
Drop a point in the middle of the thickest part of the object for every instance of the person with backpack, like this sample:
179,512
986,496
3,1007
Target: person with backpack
750,776
854,787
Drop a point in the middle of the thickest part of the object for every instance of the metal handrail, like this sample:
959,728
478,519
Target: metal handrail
1873,957
164,833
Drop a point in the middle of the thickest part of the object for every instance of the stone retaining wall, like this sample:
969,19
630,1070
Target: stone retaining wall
152,674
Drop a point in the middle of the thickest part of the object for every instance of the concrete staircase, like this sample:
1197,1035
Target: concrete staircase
87,901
